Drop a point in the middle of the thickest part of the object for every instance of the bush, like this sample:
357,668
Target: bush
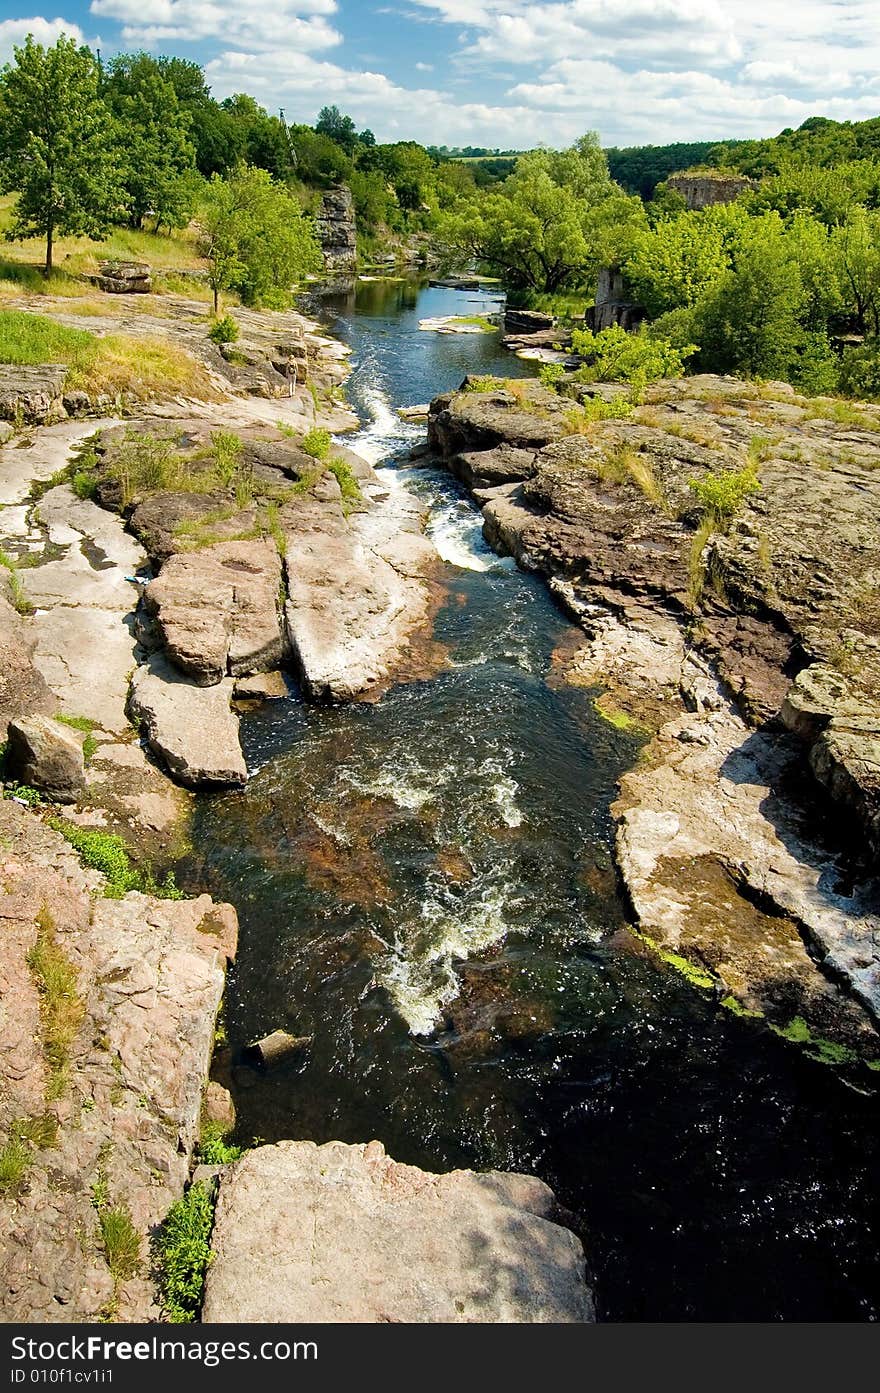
551,374
182,1254
107,853
722,494
348,484
615,356
224,330
317,443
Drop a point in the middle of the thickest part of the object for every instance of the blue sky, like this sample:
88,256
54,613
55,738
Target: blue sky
508,73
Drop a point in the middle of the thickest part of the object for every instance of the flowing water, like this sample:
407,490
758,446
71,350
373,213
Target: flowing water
425,886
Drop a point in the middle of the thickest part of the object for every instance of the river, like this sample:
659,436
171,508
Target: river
425,885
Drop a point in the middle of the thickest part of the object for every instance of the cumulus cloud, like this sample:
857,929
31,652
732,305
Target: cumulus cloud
13,32
303,23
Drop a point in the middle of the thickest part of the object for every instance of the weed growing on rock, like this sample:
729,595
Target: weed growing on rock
182,1254
107,853
227,454
317,443
348,484
15,1159
87,726
722,494
61,1008
551,375
19,599
214,1149
581,420
223,330
482,384
23,793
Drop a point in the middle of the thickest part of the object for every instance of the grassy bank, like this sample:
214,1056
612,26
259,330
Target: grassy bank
115,364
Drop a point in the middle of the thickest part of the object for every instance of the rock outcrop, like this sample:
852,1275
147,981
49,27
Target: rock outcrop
192,729
704,188
217,610
785,588
337,231
46,755
32,395
107,1119
23,689
356,593
124,278
344,1234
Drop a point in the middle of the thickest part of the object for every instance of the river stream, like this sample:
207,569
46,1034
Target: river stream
425,885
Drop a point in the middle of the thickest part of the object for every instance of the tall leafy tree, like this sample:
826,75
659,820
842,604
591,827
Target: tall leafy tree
56,143
254,238
157,158
332,122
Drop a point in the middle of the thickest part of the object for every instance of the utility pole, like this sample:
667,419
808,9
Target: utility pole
294,159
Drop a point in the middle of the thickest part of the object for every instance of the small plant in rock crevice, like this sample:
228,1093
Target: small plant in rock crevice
181,1249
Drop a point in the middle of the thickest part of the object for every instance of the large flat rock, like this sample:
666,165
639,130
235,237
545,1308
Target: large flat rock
192,729
340,1233
357,590
217,610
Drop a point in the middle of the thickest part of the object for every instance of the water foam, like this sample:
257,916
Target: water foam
420,975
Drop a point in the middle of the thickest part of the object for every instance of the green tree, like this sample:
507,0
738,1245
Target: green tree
157,158
671,265
553,222
855,247
57,143
255,239
331,122
749,320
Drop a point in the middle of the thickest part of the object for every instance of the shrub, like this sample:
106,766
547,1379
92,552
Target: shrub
348,484
613,355
482,384
551,374
579,421
214,1149
223,330
317,443
860,372
722,494
182,1254
19,599
121,1241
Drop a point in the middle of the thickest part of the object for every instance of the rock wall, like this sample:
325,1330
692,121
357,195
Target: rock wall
704,190
337,232
108,1122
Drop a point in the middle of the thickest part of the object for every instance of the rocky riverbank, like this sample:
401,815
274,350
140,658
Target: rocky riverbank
744,642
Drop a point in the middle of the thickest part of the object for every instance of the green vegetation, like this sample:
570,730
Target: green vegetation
317,443
691,971
107,853
86,726
19,599
223,330
613,355
24,794
114,364
182,1254
722,494
61,1009
214,1149
227,455
348,484
15,1160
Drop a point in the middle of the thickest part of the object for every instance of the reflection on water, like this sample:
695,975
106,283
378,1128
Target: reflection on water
426,886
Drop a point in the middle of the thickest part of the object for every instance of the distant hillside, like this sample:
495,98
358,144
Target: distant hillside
640,168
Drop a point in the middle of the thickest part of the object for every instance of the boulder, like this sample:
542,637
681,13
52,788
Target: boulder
32,395
124,277
191,728
217,610
344,1234
47,756
262,686
218,1107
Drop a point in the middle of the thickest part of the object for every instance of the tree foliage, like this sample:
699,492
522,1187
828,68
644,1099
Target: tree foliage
57,143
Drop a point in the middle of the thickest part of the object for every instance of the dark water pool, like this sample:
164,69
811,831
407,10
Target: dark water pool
425,886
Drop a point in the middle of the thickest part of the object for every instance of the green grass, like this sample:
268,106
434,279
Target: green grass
227,448
581,420
182,1254
348,484
479,321
25,794
61,1008
15,1160
121,1242
19,599
113,365
107,853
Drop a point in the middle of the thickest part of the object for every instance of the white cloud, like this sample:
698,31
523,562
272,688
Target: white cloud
303,23
13,33
424,67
